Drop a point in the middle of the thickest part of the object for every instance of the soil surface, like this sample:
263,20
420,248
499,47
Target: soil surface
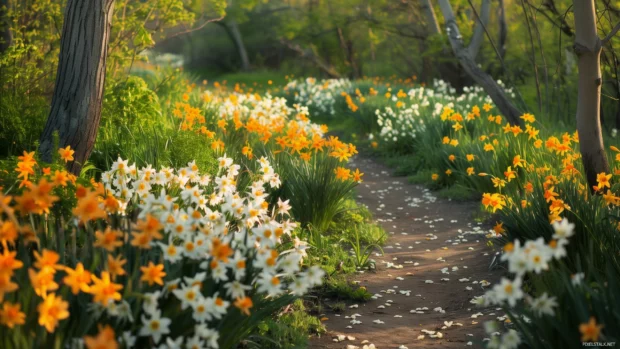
436,261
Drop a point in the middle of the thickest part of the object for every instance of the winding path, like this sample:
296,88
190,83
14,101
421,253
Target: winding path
436,260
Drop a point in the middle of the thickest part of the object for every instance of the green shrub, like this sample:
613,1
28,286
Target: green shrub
315,193
21,122
288,330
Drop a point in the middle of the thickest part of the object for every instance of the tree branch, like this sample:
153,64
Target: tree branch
499,56
476,39
197,28
611,34
312,56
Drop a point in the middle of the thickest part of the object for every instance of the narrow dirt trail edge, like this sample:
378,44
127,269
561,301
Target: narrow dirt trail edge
436,261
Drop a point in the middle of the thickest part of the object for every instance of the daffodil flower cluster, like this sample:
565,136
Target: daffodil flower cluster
159,246
399,124
533,257
320,95
403,122
233,236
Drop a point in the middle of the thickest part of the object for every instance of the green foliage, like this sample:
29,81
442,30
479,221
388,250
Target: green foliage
130,103
339,288
346,223
288,330
458,192
315,193
21,122
363,253
209,7
422,177
338,307
188,146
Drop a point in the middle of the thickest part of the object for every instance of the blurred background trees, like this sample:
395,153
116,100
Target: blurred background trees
527,44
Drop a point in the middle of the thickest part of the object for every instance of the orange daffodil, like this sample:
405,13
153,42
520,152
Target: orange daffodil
590,331
603,181
52,310
66,153
105,339
11,315
77,279
345,174
153,274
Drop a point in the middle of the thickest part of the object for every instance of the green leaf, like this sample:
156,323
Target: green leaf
143,38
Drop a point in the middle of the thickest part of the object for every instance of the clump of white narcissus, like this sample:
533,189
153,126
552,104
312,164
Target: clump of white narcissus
232,239
533,257
320,95
404,123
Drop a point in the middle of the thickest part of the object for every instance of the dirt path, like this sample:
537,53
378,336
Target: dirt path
444,260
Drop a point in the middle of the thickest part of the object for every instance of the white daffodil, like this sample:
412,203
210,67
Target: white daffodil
563,229
510,340
154,327
544,305
187,295
509,291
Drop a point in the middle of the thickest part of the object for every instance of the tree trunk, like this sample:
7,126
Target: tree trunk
478,36
588,50
235,35
432,25
6,35
618,115
80,79
505,106
347,48
503,29
448,71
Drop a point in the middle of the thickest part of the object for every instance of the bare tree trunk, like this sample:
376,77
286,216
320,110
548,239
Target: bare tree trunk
431,20
349,53
588,50
80,79
477,37
618,115
6,35
235,35
503,29
432,28
483,79
448,71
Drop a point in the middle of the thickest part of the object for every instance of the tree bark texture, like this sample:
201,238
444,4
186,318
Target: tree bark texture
349,52
80,78
505,106
432,25
478,36
503,29
235,35
588,49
